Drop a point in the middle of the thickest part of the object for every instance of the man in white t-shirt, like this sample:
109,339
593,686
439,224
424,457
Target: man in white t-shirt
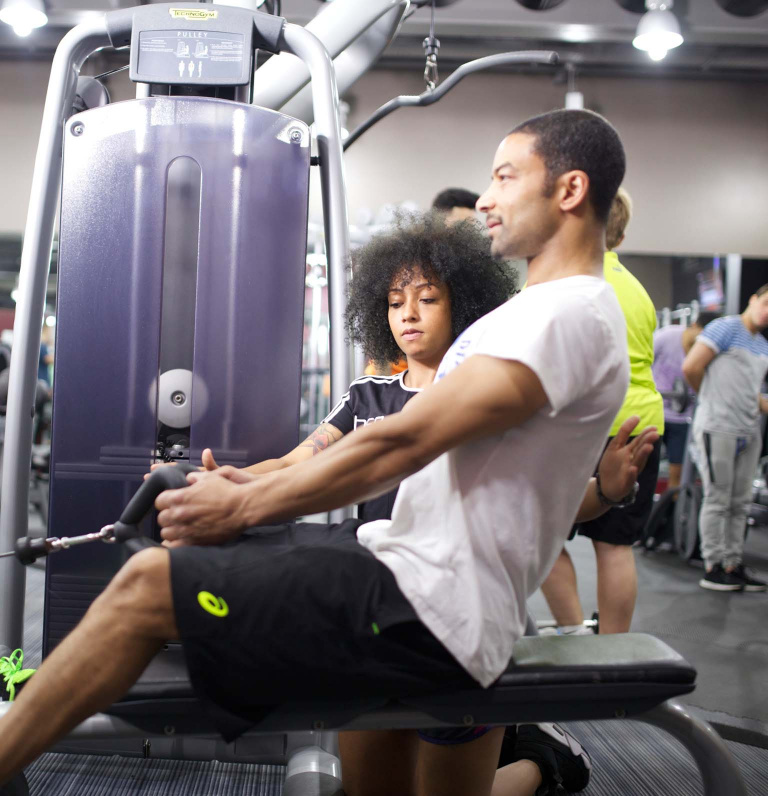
495,455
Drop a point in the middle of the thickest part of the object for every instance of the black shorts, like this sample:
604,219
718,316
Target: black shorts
675,437
625,526
299,612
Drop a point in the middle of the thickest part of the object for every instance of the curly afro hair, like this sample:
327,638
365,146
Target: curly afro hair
458,255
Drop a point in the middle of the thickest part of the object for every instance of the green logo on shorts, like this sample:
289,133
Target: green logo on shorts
214,605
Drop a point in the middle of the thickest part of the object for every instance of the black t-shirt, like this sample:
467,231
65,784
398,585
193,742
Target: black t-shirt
371,398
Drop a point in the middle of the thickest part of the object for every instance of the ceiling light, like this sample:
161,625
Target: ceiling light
658,30
578,34
23,15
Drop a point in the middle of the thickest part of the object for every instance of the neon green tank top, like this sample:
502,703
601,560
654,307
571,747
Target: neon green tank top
643,398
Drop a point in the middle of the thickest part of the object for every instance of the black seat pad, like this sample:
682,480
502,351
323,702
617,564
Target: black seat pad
551,678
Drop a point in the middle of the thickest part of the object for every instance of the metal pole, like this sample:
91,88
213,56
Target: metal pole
719,771
326,106
74,48
325,100
338,25
430,96
733,284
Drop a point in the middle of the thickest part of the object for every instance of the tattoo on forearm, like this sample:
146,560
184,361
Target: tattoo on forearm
323,436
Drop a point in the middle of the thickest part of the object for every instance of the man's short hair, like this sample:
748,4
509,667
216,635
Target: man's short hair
618,218
455,197
762,290
567,140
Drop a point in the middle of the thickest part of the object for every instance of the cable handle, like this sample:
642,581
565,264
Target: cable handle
143,501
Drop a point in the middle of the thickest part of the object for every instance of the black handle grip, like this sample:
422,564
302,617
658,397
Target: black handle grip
28,550
142,502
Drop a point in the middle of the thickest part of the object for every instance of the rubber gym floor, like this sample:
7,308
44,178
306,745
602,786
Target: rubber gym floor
723,635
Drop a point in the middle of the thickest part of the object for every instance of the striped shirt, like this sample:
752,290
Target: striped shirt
728,398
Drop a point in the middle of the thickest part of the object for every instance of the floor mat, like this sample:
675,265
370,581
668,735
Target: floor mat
92,775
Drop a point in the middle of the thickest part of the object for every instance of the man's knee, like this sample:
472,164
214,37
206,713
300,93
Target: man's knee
144,571
141,592
716,504
606,551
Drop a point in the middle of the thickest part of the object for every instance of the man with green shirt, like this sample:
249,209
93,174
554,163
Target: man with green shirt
614,533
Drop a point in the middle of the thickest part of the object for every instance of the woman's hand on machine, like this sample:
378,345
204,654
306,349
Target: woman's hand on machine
625,457
209,463
157,465
210,511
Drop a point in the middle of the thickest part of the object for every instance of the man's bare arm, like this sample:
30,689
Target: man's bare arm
696,362
483,396
763,399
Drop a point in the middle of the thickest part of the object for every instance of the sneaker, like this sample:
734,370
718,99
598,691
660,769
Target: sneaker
12,676
561,758
575,630
717,579
18,786
751,583
566,630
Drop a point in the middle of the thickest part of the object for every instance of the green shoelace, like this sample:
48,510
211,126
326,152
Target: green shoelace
12,673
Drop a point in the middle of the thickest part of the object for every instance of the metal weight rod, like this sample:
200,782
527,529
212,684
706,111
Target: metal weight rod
28,549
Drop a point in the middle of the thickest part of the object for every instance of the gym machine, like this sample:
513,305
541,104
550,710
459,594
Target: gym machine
181,270
683,314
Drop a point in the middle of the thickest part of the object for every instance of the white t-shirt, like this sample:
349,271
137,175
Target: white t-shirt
475,532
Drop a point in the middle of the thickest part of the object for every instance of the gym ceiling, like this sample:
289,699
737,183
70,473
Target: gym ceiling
724,39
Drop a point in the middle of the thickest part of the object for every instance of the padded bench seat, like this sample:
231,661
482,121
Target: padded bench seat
550,678
553,678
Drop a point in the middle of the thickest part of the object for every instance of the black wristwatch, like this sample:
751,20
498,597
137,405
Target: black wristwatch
627,500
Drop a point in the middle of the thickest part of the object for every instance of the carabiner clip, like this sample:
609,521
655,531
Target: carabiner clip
430,72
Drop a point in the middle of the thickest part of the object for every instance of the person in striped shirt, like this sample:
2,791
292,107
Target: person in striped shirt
727,366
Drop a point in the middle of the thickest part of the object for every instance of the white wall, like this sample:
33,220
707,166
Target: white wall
697,151
22,94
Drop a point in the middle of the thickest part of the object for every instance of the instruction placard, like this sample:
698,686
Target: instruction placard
190,56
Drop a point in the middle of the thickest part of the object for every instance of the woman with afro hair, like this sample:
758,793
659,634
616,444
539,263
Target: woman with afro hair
414,289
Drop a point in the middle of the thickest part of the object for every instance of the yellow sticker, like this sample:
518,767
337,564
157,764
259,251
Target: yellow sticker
191,14
216,606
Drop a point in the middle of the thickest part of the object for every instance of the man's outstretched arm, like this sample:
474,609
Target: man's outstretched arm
483,396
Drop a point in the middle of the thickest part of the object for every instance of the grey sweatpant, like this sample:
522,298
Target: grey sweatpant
727,466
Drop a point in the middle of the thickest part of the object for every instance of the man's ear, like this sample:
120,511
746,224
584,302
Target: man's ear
574,189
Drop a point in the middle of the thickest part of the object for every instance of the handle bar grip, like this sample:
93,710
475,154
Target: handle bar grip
28,550
142,502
